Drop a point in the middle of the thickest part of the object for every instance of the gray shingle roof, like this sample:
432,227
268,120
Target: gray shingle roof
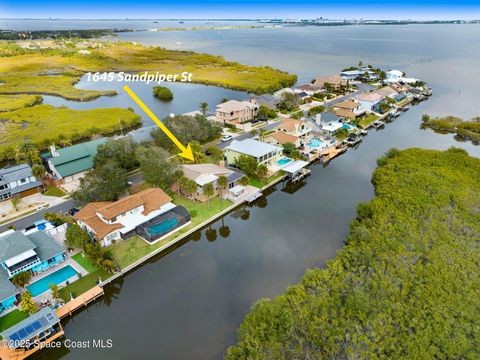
14,173
14,244
7,289
142,135
329,117
46,246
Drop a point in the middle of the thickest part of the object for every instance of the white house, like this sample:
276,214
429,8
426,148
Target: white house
369,100
116,220
394,75
263,153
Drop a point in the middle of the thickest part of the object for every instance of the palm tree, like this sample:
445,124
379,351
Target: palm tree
27,152
38,171
188,186
262,133
15,202
204,108
208,191
222,183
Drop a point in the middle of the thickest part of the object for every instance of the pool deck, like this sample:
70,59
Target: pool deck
47,295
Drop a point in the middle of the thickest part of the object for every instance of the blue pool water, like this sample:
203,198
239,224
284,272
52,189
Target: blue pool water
59,276
163,227
283,161
315,143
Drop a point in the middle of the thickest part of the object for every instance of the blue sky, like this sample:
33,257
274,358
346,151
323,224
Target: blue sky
115,9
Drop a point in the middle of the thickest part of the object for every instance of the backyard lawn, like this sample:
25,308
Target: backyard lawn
365,121
128,251
54,191
12,318
84,284
259,183
85,263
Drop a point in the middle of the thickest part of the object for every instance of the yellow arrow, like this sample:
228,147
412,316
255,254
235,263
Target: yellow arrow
186,151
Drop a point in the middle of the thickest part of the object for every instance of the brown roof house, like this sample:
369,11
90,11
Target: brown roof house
149,214
336,81
236,112
290,130
348,109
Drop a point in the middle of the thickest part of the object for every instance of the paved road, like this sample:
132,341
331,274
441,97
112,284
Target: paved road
28,220
23,222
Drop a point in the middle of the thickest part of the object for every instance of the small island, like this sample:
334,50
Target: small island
163,93
463,129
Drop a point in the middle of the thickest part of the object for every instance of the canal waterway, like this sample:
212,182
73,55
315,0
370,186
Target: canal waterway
187,304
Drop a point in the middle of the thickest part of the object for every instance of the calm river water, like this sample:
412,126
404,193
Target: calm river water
187,304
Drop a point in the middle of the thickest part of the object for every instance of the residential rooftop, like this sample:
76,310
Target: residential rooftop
252,147
77,158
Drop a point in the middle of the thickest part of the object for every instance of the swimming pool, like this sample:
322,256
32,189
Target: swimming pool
315,143
283,161
162,227
61,275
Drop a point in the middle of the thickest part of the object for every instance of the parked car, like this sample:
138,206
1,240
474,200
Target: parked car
227,138
73,211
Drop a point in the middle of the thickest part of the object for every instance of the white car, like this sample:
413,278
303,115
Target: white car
226,138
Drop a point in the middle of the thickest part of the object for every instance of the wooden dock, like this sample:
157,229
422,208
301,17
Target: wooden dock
80,301
328,154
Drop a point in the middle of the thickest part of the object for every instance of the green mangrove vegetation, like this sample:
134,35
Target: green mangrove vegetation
15,102
56,67
46,124
405,285
463,129
163,93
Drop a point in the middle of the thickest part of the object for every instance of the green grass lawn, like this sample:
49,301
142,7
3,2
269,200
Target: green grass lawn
366,120
54,191
12,318
128,251
262,182
85,263
84,284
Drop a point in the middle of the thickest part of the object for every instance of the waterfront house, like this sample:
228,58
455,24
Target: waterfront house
358,74
295,127
18,181
34,252
236,112
262,152
394,75
136,214
204,174
387,91
31,334
8,292
71,163
348,109
281,138
334,81
327,123
369,100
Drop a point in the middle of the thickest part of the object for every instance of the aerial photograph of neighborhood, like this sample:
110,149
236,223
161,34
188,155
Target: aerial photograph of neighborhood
239,180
